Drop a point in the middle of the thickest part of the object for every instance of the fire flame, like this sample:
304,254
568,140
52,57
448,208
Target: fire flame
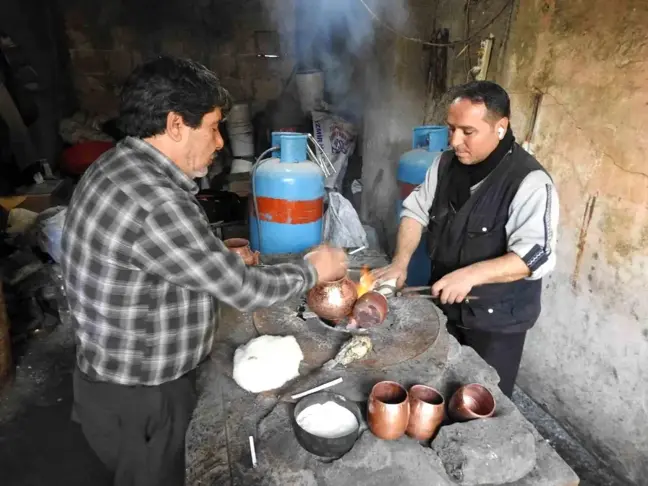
367,281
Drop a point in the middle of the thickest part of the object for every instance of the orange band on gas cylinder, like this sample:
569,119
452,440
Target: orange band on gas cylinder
290,212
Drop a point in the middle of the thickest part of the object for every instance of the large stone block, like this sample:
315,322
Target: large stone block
375,462
378,462
489,451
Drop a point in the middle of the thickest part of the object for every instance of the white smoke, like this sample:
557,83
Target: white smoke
369,71
338,37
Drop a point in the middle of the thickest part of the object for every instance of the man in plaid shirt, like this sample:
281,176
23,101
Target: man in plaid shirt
143,273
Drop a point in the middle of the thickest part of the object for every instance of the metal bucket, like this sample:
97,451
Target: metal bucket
310,87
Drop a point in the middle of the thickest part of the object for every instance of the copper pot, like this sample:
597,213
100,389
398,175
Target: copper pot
426,412
388,410
241,246
370,309
471,402
333,300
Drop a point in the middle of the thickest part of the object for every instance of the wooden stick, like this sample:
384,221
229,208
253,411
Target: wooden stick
318,388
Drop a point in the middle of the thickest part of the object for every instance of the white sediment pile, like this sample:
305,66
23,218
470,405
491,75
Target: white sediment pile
328,420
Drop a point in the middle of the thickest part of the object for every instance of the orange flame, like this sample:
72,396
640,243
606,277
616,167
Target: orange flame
367,281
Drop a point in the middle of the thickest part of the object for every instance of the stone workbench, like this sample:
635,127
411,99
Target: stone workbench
412,348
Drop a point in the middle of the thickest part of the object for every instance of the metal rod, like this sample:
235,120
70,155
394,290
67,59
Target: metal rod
331,168
317,161
416,289
435,299
317,388
253,452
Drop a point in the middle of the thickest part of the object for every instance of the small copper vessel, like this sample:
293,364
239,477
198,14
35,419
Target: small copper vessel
370,309
471,402
427,409
333,300
241,246
388,410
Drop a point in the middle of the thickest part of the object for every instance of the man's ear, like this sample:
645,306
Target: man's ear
174,125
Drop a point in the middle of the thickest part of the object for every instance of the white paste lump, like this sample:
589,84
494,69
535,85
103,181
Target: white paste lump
267,362
328,420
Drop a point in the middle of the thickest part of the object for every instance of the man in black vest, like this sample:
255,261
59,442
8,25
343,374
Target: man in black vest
491,211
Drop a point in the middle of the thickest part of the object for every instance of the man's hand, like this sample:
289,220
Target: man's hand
454,287
395,270
330,263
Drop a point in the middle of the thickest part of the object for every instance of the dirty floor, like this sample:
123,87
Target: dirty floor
40,446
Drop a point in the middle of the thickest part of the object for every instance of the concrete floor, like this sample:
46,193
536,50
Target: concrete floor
39,445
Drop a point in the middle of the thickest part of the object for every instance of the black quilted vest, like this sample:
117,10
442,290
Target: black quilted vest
477,232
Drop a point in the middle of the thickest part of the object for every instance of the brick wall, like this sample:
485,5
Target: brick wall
108,39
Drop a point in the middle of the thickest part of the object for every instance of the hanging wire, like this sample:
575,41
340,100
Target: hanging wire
259,162
473,38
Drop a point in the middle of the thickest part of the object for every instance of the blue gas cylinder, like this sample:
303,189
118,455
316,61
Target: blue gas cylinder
289,192
428,142
275,141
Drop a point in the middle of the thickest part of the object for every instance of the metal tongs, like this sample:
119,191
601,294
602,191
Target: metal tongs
424,292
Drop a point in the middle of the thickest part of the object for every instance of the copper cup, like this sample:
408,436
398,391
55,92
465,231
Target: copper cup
241,247
370,309
426,412
388,410
471,402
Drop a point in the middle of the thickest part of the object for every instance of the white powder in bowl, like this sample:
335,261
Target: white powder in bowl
328,420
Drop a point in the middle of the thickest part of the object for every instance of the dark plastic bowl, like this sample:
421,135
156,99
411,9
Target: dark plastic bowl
322,446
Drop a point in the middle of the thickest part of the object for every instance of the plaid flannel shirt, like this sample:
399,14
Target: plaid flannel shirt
143,271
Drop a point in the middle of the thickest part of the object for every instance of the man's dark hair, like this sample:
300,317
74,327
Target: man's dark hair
490,94
164,85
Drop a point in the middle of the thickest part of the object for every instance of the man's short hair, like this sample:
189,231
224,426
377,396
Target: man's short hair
164,85
492,95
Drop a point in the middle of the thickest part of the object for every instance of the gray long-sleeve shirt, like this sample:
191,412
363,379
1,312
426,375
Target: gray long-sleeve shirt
533,215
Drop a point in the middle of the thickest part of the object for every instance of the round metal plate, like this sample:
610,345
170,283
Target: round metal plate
411,327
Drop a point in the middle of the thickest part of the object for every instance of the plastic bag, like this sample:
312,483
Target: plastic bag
60,296
49,227
338,138
342,226
372,238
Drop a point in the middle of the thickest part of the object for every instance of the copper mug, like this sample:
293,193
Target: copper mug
241,247
471,402
427,409
388,410
370,309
